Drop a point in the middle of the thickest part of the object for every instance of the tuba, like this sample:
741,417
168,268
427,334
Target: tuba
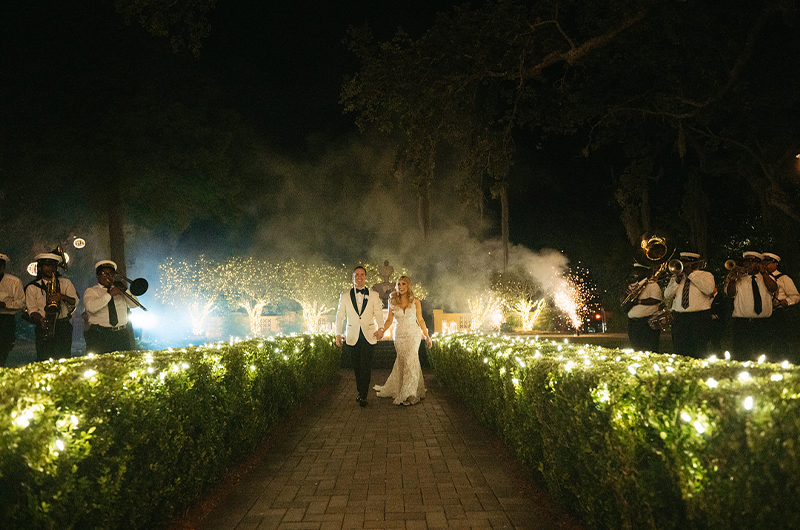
654,251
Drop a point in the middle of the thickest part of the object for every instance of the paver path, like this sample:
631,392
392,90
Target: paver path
340,466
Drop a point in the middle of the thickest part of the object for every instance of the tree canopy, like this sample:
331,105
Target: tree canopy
684,103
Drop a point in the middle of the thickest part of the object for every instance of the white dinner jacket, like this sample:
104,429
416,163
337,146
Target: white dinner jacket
368,322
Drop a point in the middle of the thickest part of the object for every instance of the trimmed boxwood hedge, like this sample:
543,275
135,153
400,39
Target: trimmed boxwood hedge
636,440
126,440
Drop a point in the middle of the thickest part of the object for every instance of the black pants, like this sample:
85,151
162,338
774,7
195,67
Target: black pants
690,333
361,354
750,338
100,339
642,336
8,334
57,346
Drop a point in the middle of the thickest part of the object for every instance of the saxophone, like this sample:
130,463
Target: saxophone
52,307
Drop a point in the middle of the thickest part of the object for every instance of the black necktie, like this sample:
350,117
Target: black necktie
112,313
685,294
756,296
363,291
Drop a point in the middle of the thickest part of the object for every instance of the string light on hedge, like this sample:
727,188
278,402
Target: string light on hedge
712,383
89,374
748,403
762,358
743,376
699,427
776,377
727,356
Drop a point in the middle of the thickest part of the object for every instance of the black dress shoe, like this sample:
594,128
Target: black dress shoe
362,402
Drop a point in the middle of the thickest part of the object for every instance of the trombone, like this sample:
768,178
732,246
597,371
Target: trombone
137,288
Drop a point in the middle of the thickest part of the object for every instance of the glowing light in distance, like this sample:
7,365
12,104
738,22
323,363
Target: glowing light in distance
748,402
143,319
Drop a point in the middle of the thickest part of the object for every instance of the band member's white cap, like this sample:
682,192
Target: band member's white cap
105,263
750,254
771,256
689,256
4,258
48,255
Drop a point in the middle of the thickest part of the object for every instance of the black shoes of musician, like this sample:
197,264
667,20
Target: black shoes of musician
361,401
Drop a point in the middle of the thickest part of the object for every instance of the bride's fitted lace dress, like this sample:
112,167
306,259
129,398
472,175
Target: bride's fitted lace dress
405,383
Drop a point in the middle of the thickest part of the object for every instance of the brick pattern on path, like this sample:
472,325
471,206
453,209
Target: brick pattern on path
340,466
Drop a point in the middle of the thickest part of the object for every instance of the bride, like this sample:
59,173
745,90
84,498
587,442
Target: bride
405,383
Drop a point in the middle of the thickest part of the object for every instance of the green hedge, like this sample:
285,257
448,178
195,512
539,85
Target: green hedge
630,439
126,440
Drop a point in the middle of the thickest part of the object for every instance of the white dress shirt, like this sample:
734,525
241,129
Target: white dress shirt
786,288
743,301
651,290
36,298
701,292
95,300
12,294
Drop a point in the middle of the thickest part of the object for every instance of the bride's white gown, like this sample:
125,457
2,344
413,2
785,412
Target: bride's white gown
405,383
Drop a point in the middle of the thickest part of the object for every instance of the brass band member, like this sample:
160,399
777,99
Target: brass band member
692,291
49,289
12,299
783,329
641,335
751,288
787,294
107,312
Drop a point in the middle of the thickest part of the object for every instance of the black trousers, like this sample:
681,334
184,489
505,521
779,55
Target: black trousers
361,354
8,335
100,339
642,336
57,346
690,333
751,338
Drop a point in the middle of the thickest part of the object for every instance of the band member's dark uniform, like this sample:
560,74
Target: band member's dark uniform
107,306
50,301
12,300
646,304
692,292
784,332
751,287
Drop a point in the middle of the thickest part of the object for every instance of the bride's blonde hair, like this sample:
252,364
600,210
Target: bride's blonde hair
395,296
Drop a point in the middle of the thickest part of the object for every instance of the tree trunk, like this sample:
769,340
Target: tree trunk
504,230
116,228
424,209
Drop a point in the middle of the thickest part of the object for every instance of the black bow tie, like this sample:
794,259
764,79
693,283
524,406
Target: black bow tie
364,291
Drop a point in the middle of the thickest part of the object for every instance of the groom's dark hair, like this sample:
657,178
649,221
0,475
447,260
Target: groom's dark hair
360,267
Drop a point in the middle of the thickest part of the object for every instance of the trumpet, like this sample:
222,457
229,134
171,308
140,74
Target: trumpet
736,268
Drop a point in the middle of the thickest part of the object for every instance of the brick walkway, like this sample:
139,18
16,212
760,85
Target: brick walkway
340,466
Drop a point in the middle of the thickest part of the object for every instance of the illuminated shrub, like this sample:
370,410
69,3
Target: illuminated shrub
125,440
637,440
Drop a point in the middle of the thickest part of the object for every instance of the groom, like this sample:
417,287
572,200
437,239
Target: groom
364,313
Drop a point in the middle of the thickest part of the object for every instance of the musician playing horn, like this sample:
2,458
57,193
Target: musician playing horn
641,335
107,312
49,289
692,291
751,287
